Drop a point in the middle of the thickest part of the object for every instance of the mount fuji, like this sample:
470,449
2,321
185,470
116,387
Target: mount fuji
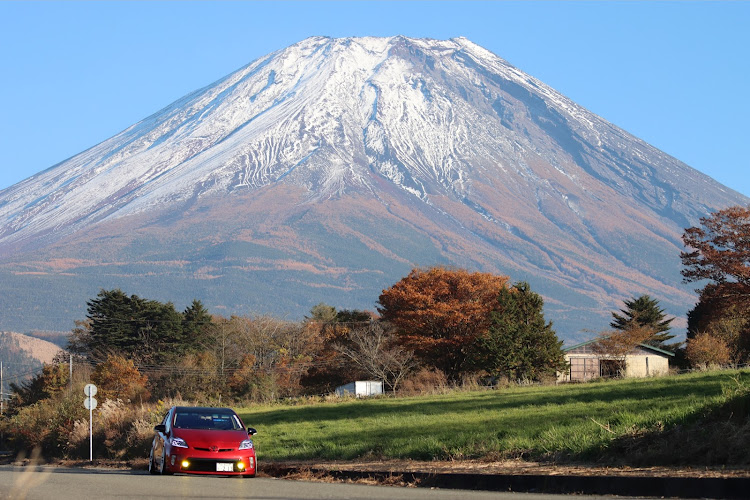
325,171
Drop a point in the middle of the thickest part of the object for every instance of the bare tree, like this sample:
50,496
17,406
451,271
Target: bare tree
373,350
261,354
615,346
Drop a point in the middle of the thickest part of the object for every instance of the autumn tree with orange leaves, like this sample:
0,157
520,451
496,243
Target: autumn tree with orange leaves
439,313
118,378
705,350
720,256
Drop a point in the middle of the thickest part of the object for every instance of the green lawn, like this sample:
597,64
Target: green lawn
563,422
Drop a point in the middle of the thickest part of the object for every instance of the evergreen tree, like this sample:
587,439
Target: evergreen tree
196,322
645,312
322,313
111,315
145,330
159,330
353,317
520,344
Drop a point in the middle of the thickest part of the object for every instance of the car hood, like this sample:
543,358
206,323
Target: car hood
206,438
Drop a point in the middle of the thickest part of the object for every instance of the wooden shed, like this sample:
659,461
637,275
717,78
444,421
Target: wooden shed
584,363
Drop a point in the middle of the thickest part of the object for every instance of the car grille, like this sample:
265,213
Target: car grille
206,465
215,451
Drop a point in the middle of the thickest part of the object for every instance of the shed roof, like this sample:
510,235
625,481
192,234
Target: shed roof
644,346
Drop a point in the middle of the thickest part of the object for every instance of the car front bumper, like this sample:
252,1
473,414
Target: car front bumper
196,462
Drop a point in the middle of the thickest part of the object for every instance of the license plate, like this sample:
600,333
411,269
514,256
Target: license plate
221,467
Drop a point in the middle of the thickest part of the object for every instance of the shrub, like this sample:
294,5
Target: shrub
424,381
705,350
118,378
46,425
50,381
121,431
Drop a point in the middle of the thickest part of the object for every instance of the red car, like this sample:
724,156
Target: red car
203,441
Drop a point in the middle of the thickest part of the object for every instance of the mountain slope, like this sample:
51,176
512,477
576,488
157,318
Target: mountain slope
40,350
325,171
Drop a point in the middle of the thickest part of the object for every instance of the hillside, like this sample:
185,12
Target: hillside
23,356
39,350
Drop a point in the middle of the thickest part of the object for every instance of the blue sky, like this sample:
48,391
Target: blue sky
676,74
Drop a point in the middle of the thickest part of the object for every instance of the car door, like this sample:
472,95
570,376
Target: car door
161,437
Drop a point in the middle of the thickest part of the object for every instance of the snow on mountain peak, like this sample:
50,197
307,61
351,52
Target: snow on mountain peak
328,115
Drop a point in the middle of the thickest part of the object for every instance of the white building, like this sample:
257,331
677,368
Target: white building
361,388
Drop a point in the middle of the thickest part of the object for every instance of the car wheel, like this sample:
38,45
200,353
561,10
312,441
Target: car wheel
163,466
151,465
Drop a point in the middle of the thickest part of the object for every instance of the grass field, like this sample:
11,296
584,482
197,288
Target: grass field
558,423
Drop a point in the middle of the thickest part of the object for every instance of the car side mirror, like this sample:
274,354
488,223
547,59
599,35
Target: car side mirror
160,428
251,431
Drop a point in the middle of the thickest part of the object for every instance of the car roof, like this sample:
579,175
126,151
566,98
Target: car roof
207,409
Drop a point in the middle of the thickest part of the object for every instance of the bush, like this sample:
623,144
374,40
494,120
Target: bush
50,381
706,350
118,378
45,425
58,427
120,431
424,381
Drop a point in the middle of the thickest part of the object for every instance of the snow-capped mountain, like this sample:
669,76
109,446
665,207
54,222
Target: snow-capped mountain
326,170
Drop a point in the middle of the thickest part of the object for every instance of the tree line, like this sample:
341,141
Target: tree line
436,323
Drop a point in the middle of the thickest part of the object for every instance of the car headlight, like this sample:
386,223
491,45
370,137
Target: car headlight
178,442
247,444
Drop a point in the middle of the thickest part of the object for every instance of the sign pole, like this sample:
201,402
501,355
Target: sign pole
91,429
90,403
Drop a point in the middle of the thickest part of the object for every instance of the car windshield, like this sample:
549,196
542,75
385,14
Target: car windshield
223,421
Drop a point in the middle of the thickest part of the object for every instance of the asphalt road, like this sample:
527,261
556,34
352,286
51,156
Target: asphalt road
68,484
